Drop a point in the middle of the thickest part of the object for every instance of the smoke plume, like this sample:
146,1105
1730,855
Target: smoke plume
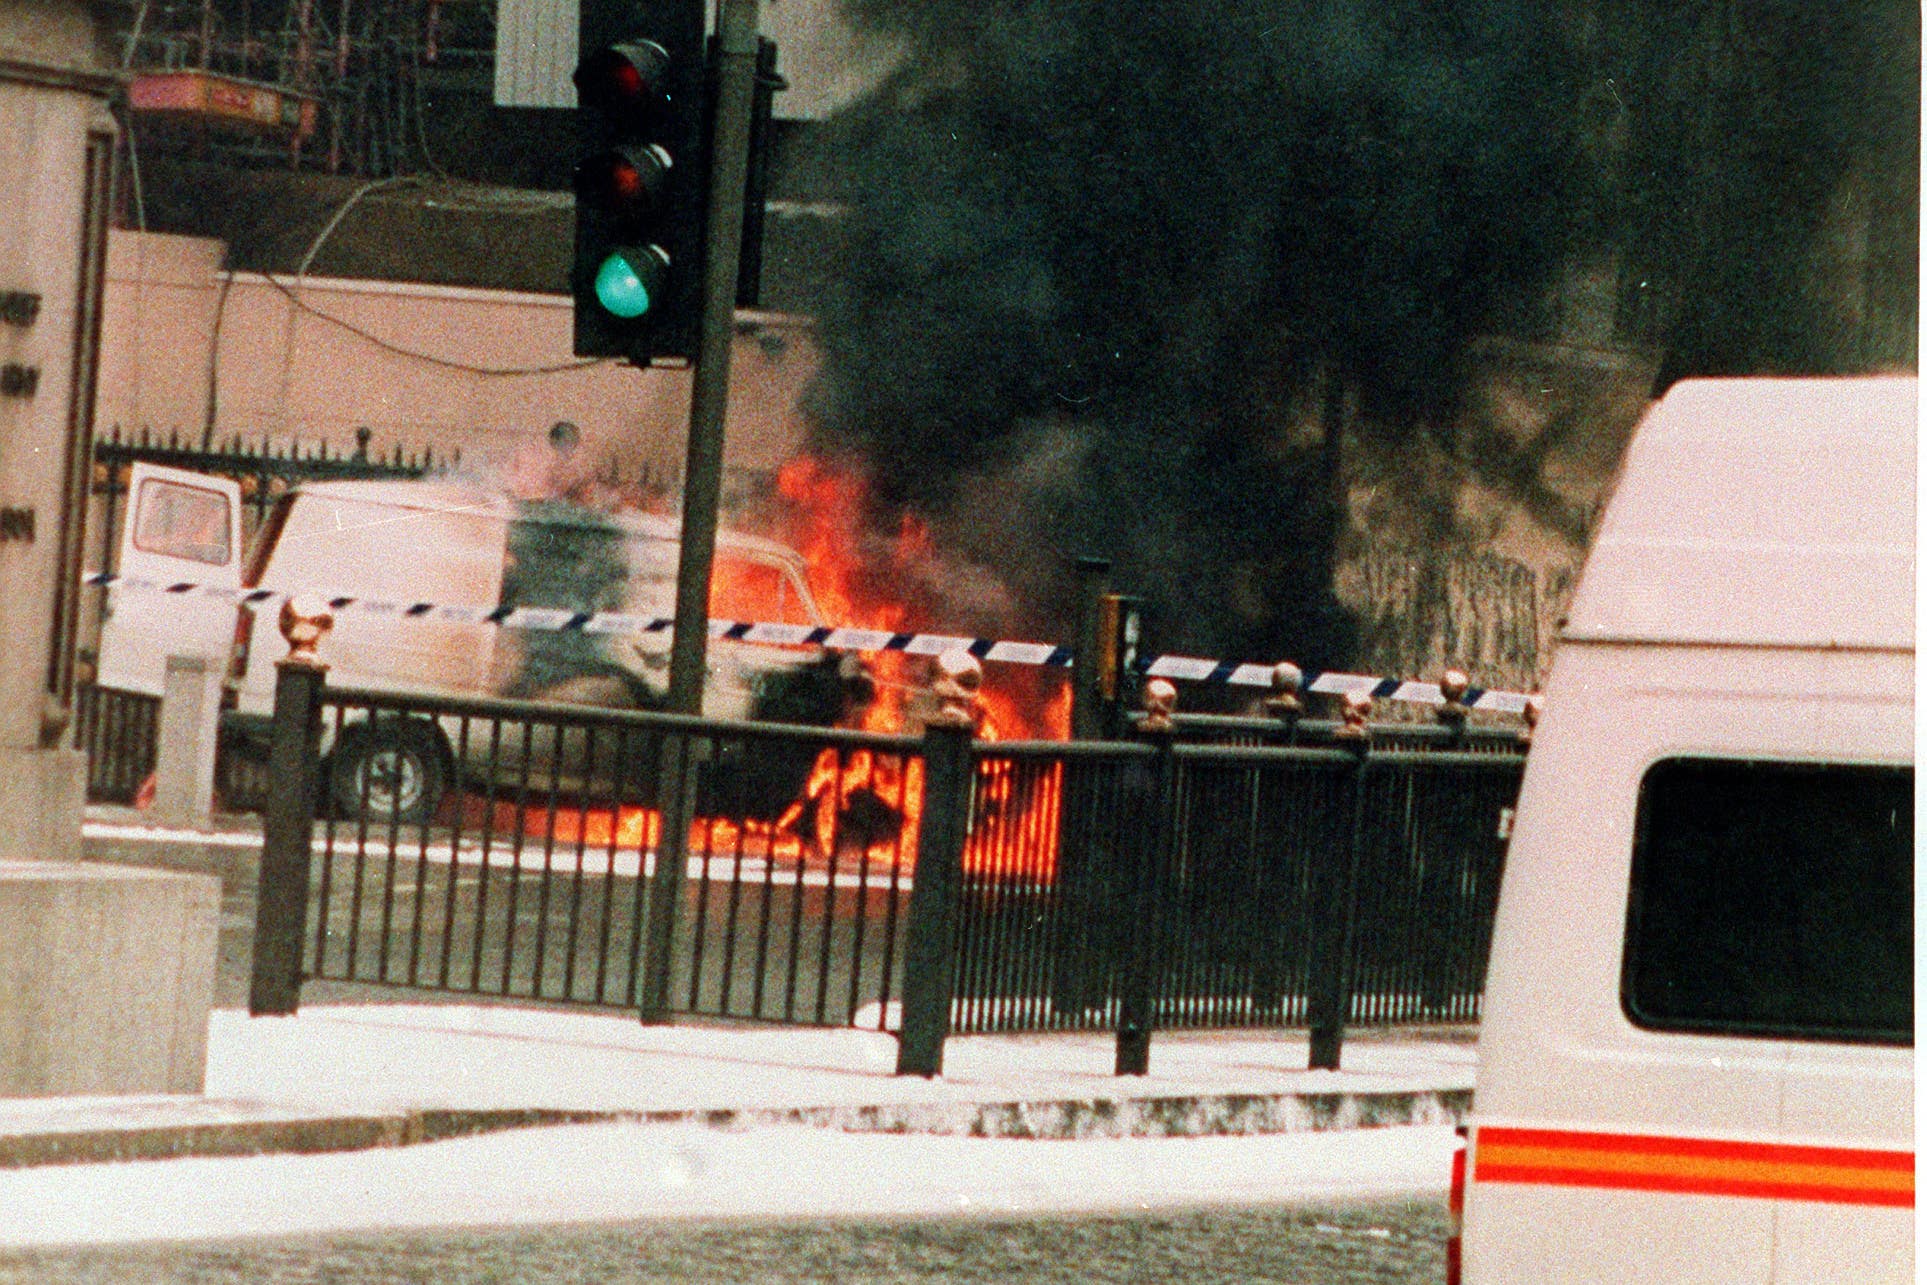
1105,265
1117,279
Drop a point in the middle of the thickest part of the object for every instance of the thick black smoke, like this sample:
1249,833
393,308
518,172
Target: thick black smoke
1763,137
1102,258
1117,278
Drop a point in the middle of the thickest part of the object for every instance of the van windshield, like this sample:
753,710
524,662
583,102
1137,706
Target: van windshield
750,589
1773,899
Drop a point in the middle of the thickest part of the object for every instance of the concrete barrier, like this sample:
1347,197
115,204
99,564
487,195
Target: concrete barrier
106,979
189,728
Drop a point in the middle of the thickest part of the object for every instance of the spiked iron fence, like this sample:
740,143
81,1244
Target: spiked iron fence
931,885
264,472
116,728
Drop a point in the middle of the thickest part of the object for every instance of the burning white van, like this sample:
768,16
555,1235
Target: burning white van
450,544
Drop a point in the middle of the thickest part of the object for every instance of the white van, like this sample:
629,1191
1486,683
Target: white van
449,544
1696,1056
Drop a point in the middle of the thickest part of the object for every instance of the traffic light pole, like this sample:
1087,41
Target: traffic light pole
736,50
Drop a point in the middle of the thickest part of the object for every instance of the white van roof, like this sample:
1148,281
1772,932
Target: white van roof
440,495
434,495
1761,512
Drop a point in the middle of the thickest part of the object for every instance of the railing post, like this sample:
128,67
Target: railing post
676,804
1441,879
1284,705
1335,905
1274,895
930,941
287,825
1144,868
1452,712
1073,988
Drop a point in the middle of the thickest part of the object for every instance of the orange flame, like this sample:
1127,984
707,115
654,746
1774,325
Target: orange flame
871,581
865,580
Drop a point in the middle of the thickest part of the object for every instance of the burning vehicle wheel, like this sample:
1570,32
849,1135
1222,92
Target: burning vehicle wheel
764,779
394,771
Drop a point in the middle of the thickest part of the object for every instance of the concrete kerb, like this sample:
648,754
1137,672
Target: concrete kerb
258,1116
239,1129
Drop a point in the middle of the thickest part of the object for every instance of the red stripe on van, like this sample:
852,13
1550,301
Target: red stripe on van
1722,1148
1700,1166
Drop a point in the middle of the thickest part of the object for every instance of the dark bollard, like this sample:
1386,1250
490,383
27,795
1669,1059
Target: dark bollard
1334,901
930,938
287,825
1143,868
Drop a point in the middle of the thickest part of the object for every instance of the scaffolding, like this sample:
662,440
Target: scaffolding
334,85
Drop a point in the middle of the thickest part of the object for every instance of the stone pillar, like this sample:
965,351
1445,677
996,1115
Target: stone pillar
106,973
55,86
43,794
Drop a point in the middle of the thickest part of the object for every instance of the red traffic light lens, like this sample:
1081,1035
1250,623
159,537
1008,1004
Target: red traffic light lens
623,79
627,182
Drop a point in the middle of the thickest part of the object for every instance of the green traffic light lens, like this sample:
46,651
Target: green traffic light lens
620,289
628,282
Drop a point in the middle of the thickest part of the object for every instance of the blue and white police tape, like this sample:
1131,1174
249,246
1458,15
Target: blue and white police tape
559,619
1197,670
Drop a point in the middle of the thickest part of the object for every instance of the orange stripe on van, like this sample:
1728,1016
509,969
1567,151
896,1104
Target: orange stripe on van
1696,1166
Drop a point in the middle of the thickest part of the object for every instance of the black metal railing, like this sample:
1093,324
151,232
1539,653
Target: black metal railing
530,851
930,885
119,732
1221,877
1227,729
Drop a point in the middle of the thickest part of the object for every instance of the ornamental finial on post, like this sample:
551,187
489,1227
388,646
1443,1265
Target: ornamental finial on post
1284,703
1358,708
1160,705
304,622
1453,685
960,676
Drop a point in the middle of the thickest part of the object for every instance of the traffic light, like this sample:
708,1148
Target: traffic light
640,186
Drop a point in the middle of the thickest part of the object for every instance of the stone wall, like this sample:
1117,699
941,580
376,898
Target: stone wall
1466,539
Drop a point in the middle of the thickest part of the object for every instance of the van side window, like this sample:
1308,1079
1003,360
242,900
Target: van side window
182,522
1773,899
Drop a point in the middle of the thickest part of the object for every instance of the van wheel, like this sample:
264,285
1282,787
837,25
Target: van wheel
389,771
